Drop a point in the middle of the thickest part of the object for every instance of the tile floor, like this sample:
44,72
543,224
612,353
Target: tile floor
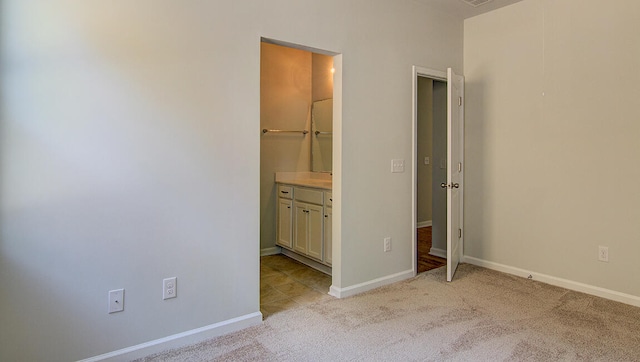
286,283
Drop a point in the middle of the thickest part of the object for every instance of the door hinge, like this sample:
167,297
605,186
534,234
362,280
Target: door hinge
459,166
459,101
459,233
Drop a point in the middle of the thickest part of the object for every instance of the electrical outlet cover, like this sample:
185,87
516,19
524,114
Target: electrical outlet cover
603,253
387,244
397,165
116,300
169,288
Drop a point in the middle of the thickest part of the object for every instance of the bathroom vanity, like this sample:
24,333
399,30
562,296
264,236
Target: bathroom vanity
304,217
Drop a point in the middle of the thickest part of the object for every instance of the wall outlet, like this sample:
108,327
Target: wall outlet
603,253
116,300
169,288
387,244
426,160
397,166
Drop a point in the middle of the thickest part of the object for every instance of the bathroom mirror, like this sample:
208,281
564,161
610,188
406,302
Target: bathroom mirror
321,135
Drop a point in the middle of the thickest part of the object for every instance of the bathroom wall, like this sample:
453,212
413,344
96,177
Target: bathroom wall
290,80
321,77
285,101
322,115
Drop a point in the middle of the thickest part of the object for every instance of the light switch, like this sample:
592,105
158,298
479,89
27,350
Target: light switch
426,160
397,166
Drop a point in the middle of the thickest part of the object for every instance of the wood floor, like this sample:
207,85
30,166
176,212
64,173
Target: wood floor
425,260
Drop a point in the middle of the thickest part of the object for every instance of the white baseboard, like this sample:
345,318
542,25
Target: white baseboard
424,224
270,251
559,282
438,252
307,261
181,339
372,284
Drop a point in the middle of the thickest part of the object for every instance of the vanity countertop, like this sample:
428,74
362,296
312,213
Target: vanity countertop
309,179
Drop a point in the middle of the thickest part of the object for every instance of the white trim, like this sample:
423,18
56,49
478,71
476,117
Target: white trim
424,224
559,282
270,251
372,284
438,252
181,339
429,73
336,185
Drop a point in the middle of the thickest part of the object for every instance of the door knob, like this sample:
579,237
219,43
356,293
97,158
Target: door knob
455,185
444,185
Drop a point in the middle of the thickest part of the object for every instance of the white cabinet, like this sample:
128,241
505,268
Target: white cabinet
300,228
301,222
284,216
315,231
308,229
285,219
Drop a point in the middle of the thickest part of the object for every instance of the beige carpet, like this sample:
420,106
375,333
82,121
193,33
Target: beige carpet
482,316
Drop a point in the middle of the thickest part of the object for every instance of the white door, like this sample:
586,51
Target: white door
455,147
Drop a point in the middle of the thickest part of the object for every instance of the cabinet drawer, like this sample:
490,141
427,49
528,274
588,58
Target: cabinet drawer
328,199
286,192
308,195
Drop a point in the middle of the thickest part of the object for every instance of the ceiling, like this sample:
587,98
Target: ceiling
461,9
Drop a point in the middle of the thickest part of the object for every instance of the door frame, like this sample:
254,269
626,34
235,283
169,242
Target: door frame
418,71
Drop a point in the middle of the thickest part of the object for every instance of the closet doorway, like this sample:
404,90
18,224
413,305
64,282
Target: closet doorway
430,171
438,168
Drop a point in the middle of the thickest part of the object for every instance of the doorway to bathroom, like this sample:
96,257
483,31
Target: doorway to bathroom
300,119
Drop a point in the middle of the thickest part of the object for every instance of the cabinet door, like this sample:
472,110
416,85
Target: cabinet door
284,232
328,221
315,215
300,227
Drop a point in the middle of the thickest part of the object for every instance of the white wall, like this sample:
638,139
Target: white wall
552,139
382,42
130,152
